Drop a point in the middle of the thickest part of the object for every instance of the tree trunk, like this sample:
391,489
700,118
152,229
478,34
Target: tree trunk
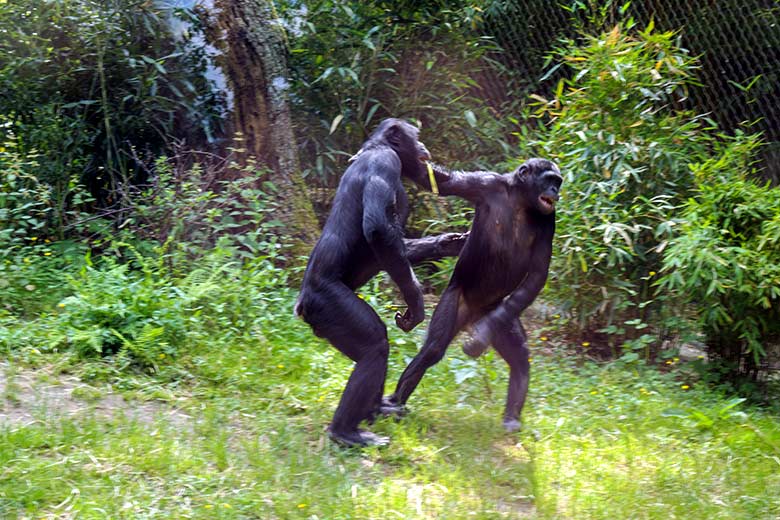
254,59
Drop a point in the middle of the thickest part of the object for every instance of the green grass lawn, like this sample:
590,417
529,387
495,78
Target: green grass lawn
239,432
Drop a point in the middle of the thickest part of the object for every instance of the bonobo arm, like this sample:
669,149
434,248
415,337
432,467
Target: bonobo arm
472,186
419,250
383,234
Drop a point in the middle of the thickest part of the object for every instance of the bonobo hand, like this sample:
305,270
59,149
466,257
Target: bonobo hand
481,338
415,311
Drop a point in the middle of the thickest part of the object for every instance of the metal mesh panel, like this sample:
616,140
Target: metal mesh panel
738,42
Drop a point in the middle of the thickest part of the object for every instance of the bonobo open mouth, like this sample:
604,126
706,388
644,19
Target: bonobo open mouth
547,202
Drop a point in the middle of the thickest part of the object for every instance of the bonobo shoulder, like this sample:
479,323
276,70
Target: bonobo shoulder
378,161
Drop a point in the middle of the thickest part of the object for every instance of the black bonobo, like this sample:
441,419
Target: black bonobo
363,235
502,268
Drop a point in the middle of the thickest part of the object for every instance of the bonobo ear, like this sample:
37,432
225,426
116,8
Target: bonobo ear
521,172
393,134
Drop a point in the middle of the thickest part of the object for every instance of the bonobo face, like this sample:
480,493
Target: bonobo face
542,180
422,152
403,139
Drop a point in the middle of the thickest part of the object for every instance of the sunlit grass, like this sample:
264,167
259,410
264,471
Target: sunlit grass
248,441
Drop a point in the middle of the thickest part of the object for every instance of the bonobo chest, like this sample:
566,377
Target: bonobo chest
497,256
510,234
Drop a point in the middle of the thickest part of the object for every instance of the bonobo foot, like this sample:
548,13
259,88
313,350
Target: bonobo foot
390,408
481,338
512,425
358,438
474,348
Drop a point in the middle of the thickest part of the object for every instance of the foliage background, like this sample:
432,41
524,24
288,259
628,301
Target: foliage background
147,280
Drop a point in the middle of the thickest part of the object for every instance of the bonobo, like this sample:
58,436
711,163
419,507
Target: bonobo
501,269
363,235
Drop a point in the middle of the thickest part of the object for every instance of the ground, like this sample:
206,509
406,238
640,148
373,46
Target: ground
28,395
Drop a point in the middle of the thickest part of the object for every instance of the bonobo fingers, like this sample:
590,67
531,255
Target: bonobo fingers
408,320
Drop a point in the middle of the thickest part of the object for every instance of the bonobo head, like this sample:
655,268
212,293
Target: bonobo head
402,137
541,181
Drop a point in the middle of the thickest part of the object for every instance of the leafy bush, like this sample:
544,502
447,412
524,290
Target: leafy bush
187,206
726,257
148,315
354,63
31,265
93,85
25,202
114,309
624,148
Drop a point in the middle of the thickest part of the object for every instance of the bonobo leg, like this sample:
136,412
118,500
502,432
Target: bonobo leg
512,346
445,324
351,325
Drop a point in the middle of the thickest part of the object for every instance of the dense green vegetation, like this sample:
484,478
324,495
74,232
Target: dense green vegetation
150,365
238,432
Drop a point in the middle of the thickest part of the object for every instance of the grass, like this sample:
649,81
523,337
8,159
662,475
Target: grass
238,431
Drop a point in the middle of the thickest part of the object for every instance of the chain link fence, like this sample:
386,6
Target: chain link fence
738,42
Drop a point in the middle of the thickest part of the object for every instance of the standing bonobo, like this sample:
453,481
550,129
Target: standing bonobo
363,235
501,269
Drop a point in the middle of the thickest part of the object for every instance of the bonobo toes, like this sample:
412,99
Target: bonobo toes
390,408
358,438
512,425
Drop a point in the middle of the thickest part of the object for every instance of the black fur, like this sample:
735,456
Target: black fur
501,270
363,235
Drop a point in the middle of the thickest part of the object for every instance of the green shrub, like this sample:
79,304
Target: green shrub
354,63
94,85
624,149
31,264
115,309
145,314
726,257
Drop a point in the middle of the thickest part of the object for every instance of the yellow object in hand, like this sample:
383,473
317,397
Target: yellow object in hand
432,179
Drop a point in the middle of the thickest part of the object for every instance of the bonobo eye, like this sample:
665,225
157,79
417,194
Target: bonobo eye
552,178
